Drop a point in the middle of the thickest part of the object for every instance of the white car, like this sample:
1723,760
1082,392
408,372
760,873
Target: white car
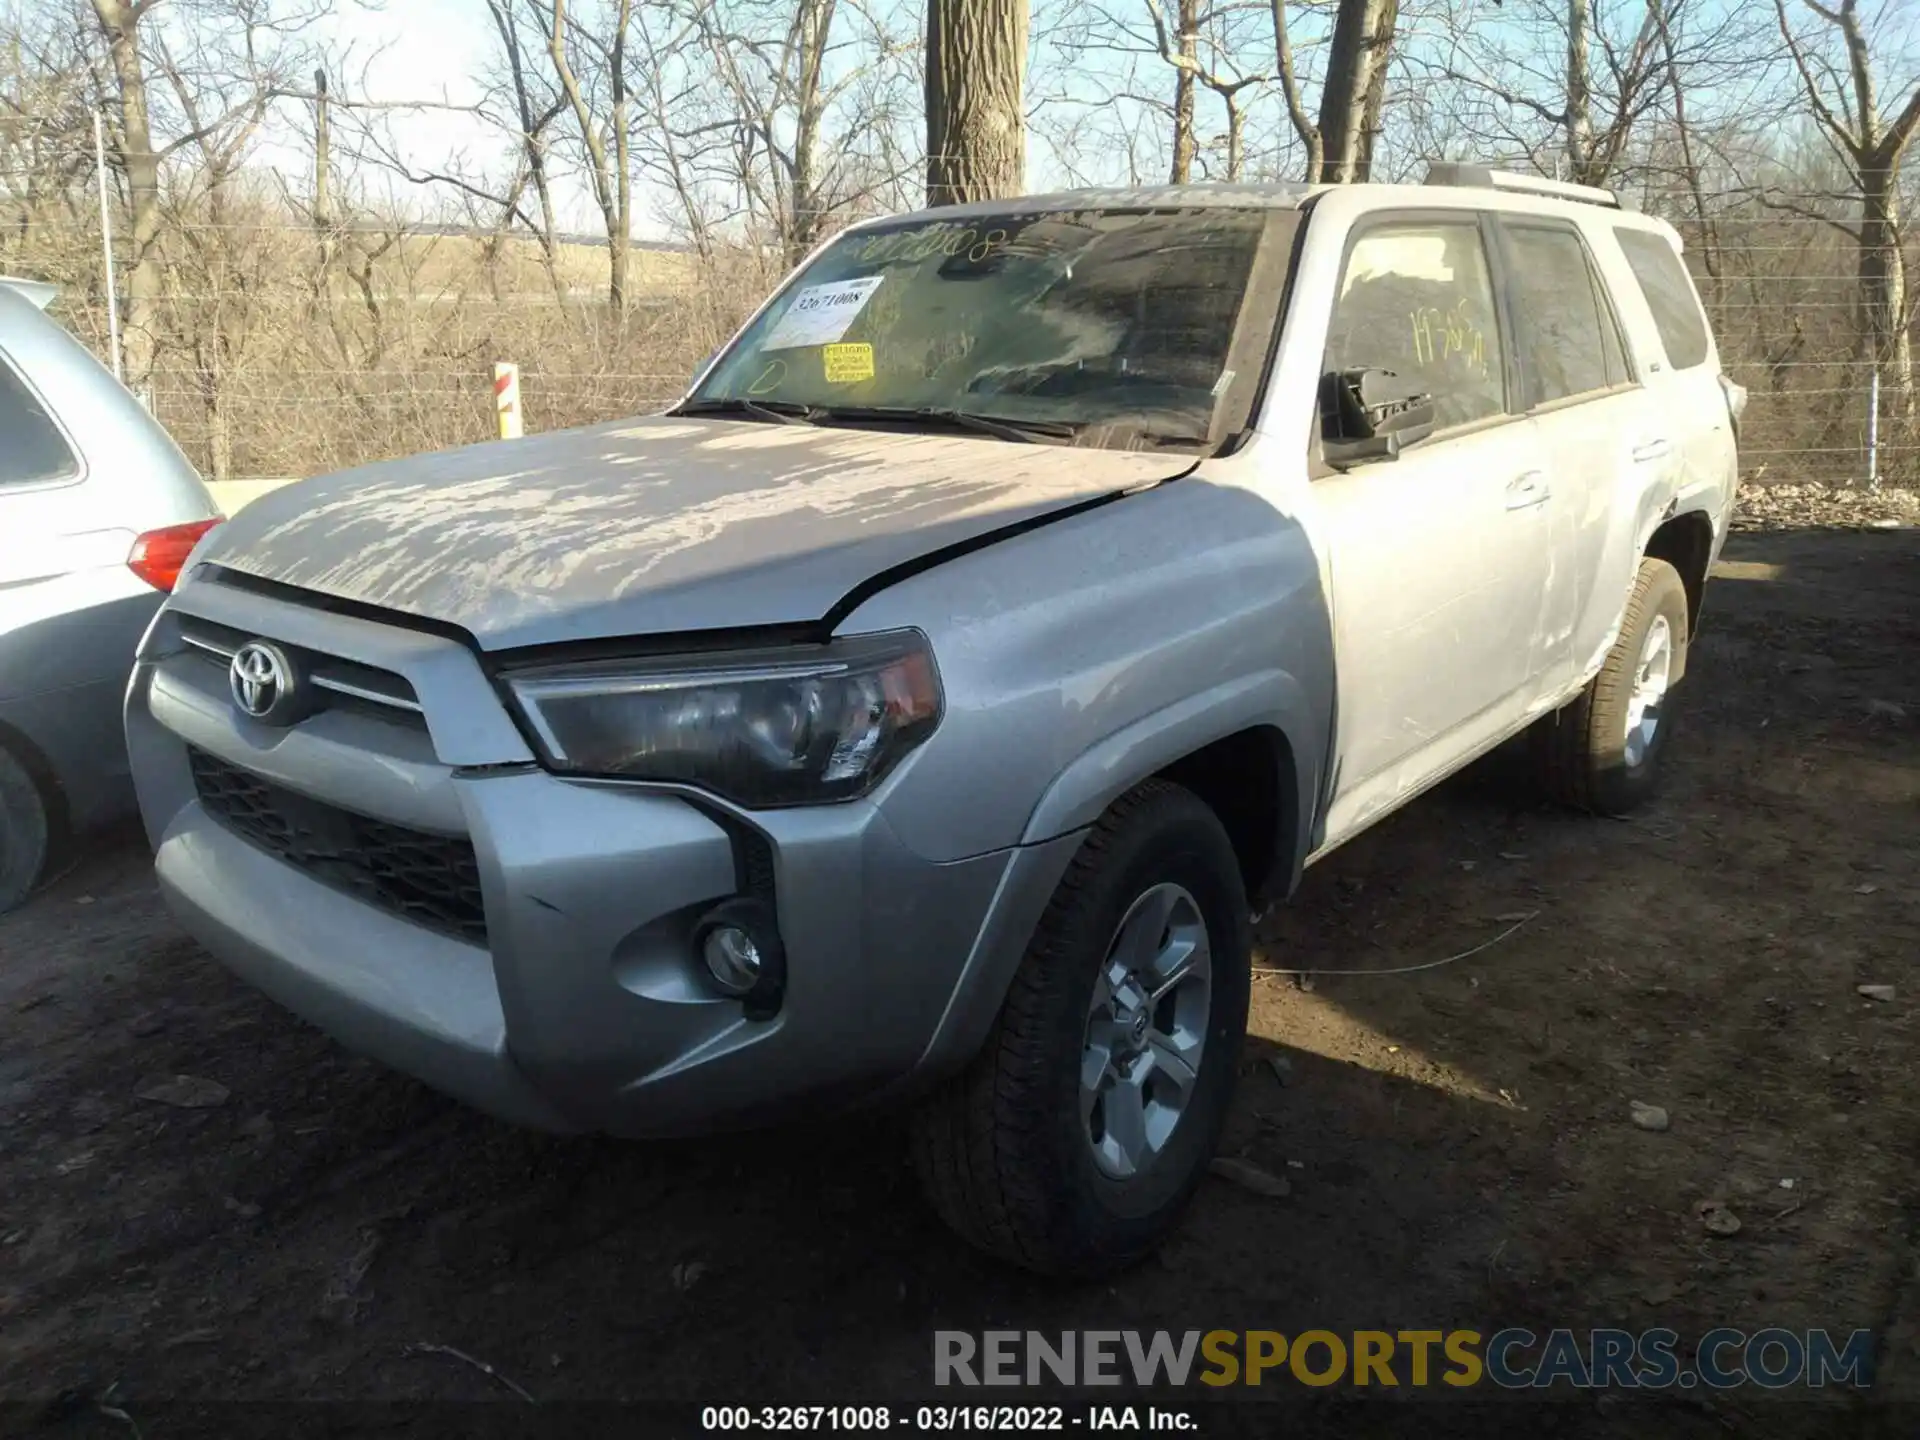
98,510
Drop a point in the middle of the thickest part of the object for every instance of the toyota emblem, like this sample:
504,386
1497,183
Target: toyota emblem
264,683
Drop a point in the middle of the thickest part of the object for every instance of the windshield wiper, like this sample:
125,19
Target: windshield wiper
784,412
1003,427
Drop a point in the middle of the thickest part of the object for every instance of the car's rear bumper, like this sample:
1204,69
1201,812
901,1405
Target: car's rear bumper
582,1004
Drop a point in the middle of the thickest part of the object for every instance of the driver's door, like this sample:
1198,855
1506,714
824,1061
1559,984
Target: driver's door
1439,559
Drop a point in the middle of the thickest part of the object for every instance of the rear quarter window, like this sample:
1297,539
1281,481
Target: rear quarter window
32,449
1565,327
1669,294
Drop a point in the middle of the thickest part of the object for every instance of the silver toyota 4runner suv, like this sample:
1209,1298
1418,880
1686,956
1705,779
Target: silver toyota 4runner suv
913,713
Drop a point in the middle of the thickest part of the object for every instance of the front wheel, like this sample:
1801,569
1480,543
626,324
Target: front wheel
1074,1140
1602,751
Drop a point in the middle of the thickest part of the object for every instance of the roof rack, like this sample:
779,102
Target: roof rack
1447,172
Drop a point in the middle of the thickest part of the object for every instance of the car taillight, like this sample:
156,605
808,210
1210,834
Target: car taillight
157,556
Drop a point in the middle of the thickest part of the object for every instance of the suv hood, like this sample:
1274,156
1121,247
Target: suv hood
656,525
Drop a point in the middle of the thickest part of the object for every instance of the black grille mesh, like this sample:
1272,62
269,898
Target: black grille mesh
433,880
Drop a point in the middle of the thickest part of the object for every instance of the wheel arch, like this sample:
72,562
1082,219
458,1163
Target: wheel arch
45,777
1244,747
1685,541
1261,720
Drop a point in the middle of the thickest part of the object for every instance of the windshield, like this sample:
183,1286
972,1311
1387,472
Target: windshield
1120,328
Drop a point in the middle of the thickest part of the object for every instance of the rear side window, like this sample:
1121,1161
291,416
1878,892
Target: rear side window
32,450
1567,336
1676,309
1417,299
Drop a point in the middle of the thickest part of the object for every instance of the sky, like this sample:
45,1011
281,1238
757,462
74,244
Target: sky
425,50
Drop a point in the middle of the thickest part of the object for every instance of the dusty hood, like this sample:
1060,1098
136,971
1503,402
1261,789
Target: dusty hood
654,525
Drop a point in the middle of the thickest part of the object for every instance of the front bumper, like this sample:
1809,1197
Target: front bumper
585,1008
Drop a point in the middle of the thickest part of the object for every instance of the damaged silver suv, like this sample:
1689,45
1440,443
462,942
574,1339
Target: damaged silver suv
911,715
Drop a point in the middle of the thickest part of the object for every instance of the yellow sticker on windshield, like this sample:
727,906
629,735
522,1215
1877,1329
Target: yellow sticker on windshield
848,363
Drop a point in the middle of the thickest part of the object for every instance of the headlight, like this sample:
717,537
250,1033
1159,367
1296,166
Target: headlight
787,726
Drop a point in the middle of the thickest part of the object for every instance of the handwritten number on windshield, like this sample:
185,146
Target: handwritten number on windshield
945,239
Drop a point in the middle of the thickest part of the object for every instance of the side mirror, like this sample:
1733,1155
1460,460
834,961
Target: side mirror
1371,415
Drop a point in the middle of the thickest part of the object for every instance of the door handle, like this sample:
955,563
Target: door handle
1527,490
1652,450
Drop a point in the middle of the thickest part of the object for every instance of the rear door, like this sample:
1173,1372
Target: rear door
1438,560
1598,437
1683,380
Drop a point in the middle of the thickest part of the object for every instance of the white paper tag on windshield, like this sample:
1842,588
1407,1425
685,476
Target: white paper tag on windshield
820,314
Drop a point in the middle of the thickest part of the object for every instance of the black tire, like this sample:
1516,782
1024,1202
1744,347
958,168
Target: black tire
24,832
1581,749
1001,1149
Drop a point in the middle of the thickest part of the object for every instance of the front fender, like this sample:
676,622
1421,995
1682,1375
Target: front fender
1082,791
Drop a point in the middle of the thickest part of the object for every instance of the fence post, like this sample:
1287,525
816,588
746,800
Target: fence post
106,246
1873,430
506,399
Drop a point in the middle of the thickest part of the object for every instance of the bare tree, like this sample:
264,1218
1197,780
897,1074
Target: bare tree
219,258
234,59
1200,44
1184,56
1847,106
1304,126
1534,82
46,161
522,103
533,112
604,138
976,127
140,163
1355,88
778,93
684,130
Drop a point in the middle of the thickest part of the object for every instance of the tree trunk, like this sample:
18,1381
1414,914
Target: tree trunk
219,427
976,126
1187,42
621,236
1579,96
532,140
1362,37
1376,98
322,179
119,22
1884,341
612,182
807,220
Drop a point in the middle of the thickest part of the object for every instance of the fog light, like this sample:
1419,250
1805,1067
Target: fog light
733,960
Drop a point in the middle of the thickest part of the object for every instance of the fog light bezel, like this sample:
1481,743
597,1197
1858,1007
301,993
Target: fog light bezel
762,999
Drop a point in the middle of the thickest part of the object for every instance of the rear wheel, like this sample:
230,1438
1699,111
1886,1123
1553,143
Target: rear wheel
24,832
1602,752
1076,1137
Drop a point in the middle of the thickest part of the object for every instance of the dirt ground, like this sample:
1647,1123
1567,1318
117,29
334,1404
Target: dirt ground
1458,1140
